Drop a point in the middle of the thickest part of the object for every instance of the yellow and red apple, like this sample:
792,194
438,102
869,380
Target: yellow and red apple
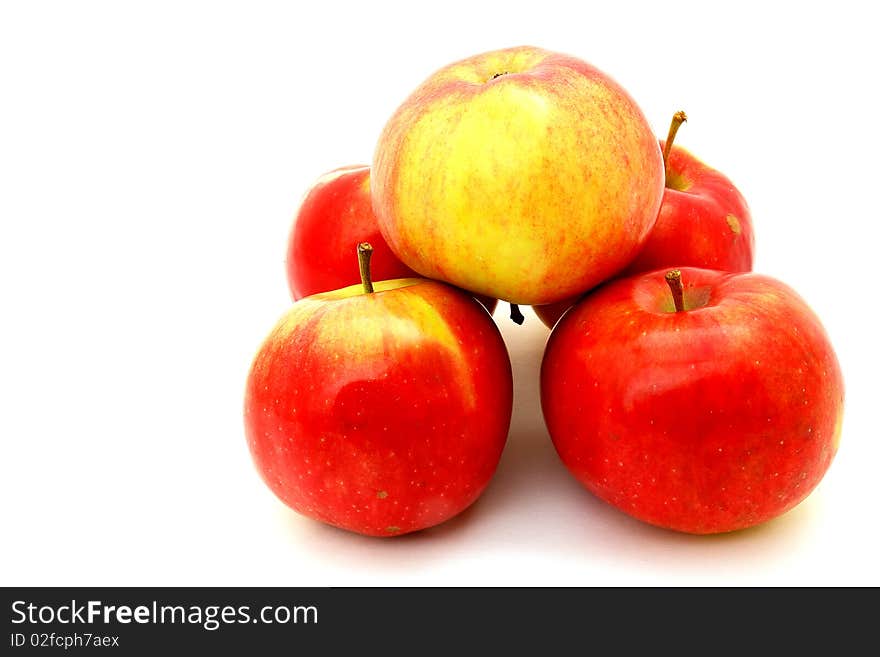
521,174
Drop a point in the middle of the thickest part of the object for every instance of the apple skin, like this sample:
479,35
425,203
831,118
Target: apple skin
550,313
704,222
336,215
333,218
529,187
380,413
708,420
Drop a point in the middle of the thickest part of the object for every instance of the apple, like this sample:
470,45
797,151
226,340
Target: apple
551,312
704,222
699,400
521,174
380,408
335,215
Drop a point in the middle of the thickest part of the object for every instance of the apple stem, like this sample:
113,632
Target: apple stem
516,314
677,119
365,252
673,279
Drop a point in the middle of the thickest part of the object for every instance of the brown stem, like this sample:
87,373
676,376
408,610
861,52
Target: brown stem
516,314
365,252
673,279
677,119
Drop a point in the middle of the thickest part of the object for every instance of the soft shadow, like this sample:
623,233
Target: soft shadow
401,554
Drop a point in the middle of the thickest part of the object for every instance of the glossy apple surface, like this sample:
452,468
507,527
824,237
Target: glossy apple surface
521,174
712,419
336,215
381,413
704,221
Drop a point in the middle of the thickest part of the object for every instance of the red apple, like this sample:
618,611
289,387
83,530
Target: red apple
382,409
713,418
335,215
704,221
551,312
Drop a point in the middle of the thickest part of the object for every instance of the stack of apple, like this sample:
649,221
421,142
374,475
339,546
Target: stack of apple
676,385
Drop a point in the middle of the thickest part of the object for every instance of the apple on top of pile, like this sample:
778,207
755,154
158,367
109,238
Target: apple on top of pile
676,385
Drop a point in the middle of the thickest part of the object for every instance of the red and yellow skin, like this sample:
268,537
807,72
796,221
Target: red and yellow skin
704,222
334,217
520,174
712,419
382,413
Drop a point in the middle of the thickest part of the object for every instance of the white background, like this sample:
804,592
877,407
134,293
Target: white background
152,156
